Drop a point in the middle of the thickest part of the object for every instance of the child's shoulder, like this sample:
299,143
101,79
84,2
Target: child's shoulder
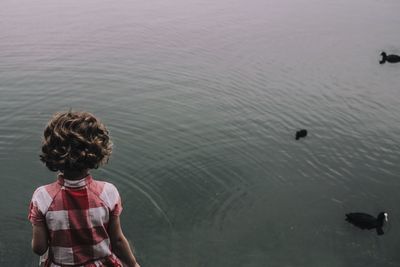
106,191
48,189
104,187
44,195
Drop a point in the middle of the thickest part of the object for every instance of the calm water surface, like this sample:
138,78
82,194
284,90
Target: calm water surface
202,99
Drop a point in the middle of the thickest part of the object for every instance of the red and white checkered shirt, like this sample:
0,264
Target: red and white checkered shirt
76,214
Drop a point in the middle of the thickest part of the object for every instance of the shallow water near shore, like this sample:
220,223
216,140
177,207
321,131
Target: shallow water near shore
203,99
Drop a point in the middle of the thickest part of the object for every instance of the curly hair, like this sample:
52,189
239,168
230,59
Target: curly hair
75,141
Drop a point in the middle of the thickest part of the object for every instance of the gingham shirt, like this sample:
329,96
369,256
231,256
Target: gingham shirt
76,214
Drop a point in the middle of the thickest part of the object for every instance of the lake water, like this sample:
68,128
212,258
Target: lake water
203,99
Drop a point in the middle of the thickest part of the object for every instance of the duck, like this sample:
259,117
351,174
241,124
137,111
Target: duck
301,133
389,58
367,221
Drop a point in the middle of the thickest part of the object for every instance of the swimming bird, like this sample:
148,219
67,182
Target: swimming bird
301,133
389,58
366,221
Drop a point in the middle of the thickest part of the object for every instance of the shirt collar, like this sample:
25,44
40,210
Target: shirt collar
74,183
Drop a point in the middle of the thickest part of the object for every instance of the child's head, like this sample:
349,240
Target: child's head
75,141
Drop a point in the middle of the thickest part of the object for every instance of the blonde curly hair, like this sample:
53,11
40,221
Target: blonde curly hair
75,141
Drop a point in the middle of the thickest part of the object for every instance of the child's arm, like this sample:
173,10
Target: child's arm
119,243
39,239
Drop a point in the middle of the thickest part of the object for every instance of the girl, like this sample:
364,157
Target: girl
76,218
